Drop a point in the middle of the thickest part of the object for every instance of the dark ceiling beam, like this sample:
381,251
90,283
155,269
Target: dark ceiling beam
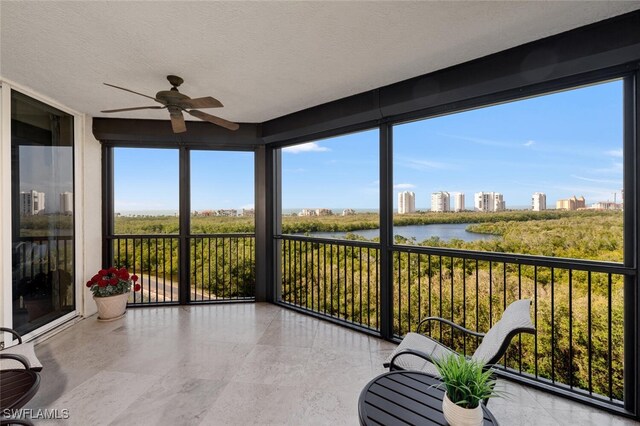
140,133
610,43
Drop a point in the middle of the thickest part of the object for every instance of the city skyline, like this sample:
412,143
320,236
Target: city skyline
564,144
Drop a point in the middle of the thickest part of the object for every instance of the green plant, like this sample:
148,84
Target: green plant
112,281
466,381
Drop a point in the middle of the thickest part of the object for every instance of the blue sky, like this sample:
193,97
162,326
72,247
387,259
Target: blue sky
147,179
561,144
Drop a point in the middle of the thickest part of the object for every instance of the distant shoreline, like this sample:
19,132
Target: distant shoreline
288,211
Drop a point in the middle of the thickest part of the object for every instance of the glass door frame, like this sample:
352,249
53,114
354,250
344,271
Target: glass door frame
6,201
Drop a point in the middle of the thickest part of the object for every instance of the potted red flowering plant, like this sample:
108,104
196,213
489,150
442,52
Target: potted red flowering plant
111,288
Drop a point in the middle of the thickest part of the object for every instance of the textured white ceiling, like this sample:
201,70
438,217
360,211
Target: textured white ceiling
261,59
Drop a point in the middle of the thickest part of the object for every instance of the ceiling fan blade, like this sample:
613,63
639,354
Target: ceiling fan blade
213,119
177,123
127,90
133,109
206,102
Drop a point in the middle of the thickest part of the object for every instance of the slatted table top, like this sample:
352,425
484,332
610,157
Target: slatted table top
405,397
17,387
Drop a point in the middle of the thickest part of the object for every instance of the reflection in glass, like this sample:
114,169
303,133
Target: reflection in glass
42,213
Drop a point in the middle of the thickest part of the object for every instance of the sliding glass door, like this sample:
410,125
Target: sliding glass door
42,213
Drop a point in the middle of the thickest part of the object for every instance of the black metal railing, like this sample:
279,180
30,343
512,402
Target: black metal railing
221,266
577,311
577,305
155,259
35,255
334,278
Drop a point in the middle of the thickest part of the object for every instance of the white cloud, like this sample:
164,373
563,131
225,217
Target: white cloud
306,147
615,168
425,164
614,153
479,141
529,143
403,186
615,182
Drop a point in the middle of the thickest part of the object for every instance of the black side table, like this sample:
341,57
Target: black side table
405,397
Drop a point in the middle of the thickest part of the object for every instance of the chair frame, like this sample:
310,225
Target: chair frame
490,363
17,337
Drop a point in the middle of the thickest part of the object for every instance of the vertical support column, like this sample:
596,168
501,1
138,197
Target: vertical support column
107,206
631,249
184,254
276,209
267,208
386,231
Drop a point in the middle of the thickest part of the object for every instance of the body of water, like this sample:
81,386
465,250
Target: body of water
445,231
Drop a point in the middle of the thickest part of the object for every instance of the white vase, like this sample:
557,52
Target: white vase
111,308
459,416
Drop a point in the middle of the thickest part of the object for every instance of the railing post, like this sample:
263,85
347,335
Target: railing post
107,206
631,249
267,173
386,231
184,255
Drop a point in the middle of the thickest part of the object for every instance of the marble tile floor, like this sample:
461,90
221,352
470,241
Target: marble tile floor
237,364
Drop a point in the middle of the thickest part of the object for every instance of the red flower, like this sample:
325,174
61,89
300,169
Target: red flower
123,274
136,287
102,272
134,278
96,278
102,283
89,284
113,270
113,281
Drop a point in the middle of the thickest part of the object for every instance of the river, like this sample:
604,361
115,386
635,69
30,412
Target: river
445,231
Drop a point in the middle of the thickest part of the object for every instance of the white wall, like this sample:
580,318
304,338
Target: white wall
88,205
91,246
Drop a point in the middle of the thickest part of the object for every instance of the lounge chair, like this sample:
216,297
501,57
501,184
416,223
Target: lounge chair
417,351
25,350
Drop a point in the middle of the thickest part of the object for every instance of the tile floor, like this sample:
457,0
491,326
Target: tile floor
236,364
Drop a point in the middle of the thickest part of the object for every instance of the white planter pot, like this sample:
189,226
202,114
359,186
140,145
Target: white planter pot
459,416
112,307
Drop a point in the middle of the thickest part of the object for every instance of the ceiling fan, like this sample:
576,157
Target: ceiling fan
177,103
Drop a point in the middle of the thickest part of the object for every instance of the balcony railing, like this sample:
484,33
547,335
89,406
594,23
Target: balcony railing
222,267
41,255
577,305
337,279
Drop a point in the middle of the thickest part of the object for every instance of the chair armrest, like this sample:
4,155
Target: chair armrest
16,357
419,354
15,333
452,324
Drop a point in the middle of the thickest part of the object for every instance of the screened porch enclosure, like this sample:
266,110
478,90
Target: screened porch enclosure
585,309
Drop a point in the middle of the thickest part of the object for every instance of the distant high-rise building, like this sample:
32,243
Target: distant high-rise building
348,212
248,212
538,201
458,202
31,203
572,203
406,202
440,202
66,203
307,212
488,201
